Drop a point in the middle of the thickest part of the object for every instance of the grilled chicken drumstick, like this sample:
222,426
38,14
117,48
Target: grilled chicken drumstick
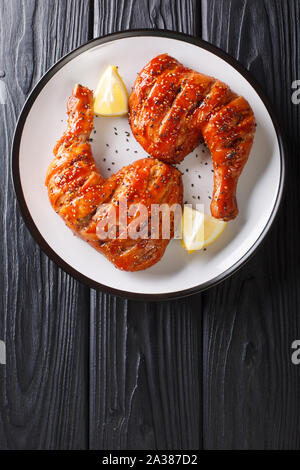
173,108
77,190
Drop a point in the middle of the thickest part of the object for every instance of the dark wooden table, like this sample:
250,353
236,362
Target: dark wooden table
90,370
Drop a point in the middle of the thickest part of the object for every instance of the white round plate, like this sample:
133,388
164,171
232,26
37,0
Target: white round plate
43,121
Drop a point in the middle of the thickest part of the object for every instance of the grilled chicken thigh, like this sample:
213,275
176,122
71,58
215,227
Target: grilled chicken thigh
84,199
173,108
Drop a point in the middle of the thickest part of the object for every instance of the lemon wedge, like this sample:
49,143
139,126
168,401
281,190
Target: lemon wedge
110,97
199,230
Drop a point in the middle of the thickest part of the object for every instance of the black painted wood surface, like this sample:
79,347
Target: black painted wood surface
90,370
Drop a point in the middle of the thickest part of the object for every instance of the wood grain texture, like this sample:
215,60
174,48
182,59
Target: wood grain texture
44,312
145,357
251,388
118,15
145,374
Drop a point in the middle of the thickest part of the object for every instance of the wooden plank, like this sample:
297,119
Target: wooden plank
251,388
120,15
44,312
145,372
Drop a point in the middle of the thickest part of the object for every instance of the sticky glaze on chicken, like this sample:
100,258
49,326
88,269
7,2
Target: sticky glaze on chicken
77,191
173,109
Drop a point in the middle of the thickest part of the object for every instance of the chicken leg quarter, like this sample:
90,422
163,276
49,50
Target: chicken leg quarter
173,108
83,198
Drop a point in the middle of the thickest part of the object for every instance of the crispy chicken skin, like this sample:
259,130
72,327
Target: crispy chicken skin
173,108
77,191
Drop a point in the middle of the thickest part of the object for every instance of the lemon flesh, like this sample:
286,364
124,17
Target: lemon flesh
199,230
111,97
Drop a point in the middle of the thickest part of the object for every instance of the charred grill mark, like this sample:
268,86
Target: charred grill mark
231,143
176,93
221,104
194,108
164,70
